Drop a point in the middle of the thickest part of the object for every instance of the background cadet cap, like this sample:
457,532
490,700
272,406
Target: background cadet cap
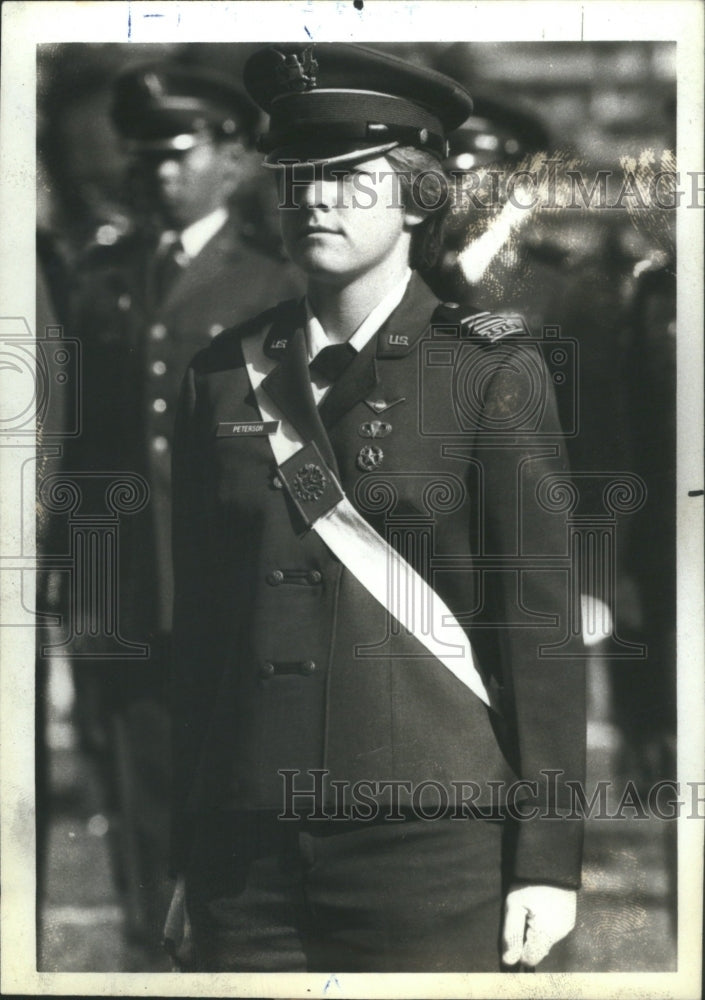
495,133
334,102
162,106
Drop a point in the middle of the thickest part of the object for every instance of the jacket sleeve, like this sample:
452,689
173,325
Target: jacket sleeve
543,693
194,664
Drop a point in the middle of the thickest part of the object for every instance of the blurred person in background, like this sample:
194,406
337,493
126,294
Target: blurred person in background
145,300
644,694
562,269
495,137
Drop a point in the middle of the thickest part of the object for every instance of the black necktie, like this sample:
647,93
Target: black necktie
332,361
169,264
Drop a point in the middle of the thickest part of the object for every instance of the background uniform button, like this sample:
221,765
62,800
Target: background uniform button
314,576
160,444
158,367
275,577
216,329
307,667
159,405
157,331
124,302
267,669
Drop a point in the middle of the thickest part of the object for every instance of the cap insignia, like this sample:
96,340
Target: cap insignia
297,74
154,85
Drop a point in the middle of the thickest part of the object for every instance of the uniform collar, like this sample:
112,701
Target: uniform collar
195,236
317,339
363,379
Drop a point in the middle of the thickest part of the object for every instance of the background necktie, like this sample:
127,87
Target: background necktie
169,264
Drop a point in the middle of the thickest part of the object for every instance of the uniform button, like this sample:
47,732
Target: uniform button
159,405
157,331
124,302
307,667
314,576
216,329
158,367
107,235
277,483
160,444
267,669
275,577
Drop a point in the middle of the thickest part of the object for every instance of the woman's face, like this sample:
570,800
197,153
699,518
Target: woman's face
343,221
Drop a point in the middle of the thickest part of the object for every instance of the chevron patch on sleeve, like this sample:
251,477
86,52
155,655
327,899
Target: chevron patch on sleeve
493,326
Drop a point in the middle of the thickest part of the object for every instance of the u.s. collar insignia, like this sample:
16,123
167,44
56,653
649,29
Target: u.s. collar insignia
297,74
275,343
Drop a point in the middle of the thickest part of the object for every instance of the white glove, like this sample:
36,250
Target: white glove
535,918
176,937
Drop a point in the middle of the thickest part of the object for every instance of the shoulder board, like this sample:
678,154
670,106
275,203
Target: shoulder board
451,321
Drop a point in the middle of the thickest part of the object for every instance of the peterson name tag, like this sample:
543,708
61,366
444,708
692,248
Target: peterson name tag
253,428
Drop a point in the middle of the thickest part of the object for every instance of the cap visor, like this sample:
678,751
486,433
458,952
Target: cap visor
324,155
165,144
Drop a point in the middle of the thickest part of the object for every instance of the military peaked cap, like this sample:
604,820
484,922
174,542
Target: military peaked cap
162,106
495,133
333,102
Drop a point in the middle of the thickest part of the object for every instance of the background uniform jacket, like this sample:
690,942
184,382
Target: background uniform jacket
281,658
135,352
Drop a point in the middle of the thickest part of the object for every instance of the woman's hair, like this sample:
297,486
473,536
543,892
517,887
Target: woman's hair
424,186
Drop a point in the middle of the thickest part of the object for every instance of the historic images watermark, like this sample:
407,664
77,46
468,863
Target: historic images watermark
314,795
43,379
546,183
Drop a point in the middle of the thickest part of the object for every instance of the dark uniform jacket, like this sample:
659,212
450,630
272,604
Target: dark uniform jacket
283,661
135,353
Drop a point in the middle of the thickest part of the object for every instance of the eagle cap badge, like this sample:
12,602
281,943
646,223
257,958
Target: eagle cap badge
297,74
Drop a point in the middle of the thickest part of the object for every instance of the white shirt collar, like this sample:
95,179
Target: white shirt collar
195,236
317,339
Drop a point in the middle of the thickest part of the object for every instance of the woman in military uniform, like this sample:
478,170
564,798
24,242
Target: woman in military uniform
373,724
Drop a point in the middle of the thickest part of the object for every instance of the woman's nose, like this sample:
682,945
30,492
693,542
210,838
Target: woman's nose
316,192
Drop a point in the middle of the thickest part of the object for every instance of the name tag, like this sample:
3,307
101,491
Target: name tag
255,428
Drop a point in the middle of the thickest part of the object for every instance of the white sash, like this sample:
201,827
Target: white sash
375,564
